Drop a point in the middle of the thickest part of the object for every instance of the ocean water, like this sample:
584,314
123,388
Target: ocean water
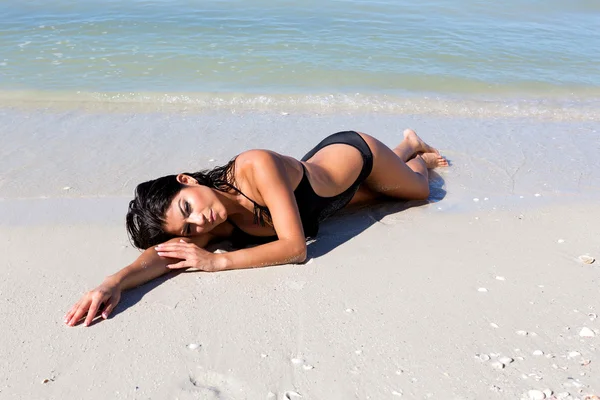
522,57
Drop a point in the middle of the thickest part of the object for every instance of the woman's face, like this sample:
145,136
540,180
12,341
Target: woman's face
196,209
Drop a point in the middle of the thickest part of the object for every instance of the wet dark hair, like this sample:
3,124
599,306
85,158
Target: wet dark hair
146,214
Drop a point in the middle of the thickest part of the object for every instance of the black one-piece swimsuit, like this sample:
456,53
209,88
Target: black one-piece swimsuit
312,207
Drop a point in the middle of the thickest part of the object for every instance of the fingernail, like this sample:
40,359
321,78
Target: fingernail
157,247
104,315
160,253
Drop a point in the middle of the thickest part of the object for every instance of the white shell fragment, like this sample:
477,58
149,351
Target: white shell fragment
483,357
547,392
397,393
587,259
67,188
493,325
290,395
307,367
586,332
482,290
538,353
475,199
535,395
522,333
500,278
497,365
349,310
592,316
297,361
505,360
193,346
537,195
573,354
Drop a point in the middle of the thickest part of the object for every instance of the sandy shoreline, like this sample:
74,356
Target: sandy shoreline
391,303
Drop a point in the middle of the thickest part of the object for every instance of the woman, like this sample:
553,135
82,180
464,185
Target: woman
259,197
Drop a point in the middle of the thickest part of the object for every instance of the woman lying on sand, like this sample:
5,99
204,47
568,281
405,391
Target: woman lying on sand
260,197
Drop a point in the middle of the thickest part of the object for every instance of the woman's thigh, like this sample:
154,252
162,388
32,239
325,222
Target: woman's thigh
391,176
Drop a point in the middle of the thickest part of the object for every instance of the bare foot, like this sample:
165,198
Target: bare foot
417,143
434,160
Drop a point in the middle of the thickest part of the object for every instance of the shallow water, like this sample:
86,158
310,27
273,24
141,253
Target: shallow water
183,52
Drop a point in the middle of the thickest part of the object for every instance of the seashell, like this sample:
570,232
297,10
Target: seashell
563,395
297,361
547,392
592,316
532,334
535,395
358,352
307,367
482,289
497,365
585,362
193,346
538,353
500,278
397,393
211,160
586,332
493,325
537,195
475,199
573,354
560,241
67,188
483,357
349,310
587,259
522,333
506,360
291,395
263,355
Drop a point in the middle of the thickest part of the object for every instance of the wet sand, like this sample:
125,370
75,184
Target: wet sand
479,293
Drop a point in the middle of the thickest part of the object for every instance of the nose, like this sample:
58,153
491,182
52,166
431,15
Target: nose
197,219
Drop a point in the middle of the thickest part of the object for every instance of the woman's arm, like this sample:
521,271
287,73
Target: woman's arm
265,172
146,267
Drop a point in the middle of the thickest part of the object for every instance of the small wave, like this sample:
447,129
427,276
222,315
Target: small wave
553,109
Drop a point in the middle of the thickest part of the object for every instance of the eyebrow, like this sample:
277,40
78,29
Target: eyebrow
183,215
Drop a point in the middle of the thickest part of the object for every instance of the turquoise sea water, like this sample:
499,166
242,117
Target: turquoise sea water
310,52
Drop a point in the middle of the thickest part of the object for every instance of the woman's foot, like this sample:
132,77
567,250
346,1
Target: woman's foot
417,144
433,160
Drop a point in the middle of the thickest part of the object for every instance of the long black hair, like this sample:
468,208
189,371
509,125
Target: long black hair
145,218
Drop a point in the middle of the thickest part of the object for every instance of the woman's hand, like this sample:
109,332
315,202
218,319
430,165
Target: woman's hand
109,293
191,256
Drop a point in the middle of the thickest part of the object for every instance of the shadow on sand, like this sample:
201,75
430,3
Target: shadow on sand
350,223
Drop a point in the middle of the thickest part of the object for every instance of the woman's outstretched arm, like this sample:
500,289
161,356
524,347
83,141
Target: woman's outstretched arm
146,267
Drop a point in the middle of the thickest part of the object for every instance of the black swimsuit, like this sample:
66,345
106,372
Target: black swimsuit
312,207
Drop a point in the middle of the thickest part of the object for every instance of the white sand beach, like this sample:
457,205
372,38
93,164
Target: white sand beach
478,294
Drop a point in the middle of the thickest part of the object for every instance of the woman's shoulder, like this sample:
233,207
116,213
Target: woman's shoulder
250,158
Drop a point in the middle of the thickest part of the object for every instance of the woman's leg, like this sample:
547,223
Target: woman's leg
402,172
